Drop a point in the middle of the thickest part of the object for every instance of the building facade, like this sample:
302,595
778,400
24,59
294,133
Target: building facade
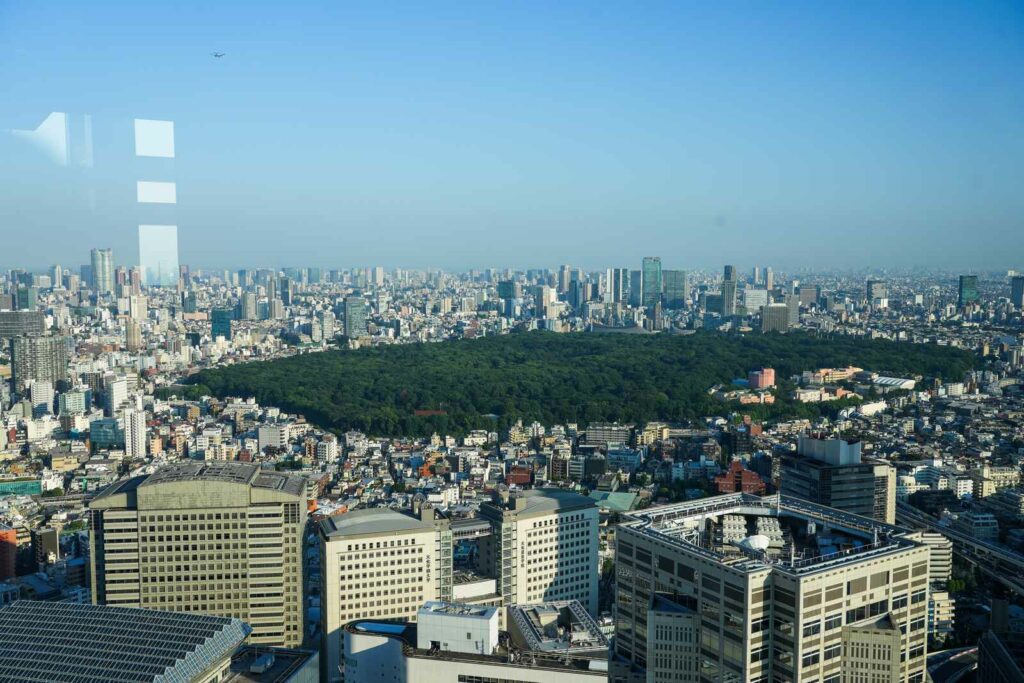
220,538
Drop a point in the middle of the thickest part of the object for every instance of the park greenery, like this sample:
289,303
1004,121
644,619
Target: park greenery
492,382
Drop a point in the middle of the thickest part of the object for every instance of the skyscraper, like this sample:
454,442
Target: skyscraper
729,285
775,318
219,538
355,317
158,255
744,588
102,271
1017,291
677,292
967,292
652,285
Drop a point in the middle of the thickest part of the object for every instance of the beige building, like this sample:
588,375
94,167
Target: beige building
379,564
220,538
839,594
543,547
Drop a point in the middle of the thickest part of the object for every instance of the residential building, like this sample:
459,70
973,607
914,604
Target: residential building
18,323
41,359
221,538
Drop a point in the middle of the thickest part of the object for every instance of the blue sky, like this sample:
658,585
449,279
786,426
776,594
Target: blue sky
492,134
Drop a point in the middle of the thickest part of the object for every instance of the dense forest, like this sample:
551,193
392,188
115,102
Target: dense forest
489,383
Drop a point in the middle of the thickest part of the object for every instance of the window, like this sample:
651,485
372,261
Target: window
834,621
812,628
833,651
811,658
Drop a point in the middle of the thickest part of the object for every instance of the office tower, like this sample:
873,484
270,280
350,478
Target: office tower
158,255
102,271
564,276
744,588
379,564
135,433
636,288
64,641
16,323
757,275
775,318
754,299
967,292
43,359
133,336
620,284
275,309
220,538
543,546
831,472
651,285
355,317
220,323
57,277
377,276
676,290
729,286
26,298
793,307
248,306
1016,291
328,324
285,287
769,279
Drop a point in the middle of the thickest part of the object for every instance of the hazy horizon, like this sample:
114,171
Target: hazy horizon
866,135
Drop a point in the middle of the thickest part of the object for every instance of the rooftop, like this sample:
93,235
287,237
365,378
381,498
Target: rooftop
73,643
805,537
562,627
545,501
284,665
370,522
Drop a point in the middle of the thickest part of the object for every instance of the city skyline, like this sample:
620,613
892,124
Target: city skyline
894,132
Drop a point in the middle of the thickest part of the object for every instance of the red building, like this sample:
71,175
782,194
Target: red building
761,379
738,479
8,551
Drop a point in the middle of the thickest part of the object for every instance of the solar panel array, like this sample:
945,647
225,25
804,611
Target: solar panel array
70,643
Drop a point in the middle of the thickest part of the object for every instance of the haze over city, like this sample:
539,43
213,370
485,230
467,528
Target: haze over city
527,134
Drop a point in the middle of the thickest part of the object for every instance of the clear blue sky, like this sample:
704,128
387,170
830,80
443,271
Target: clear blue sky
532,133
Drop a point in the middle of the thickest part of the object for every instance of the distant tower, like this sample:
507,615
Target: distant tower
102,271
651,283
967,292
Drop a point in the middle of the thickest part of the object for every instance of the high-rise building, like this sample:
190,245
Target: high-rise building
967,291
248,306
220,323
543,546
115,395
744,588
135,433
219,538
769,279
775,318
355,317
620,284
43,359
729,286
831,472
41,394
651,284
158,255
379,564
133,335
1017,291
677,291
15,323
102,271
8,551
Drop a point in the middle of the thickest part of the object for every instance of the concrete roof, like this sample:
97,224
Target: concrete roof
371,521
